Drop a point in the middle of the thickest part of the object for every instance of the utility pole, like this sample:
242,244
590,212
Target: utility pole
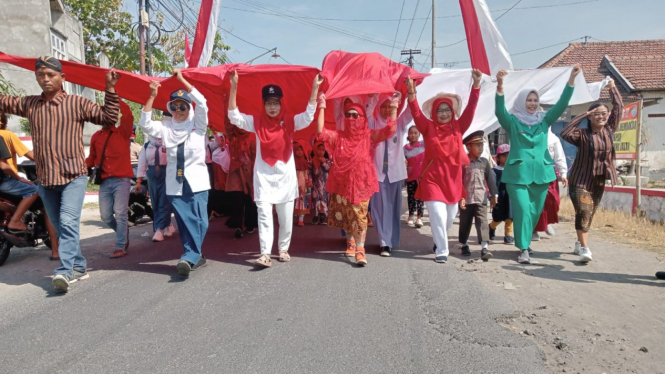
141,38
147,36
638,163
433,34
411,52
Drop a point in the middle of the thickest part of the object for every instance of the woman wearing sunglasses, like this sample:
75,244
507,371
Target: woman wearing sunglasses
275,180
187,181
352,179
440,183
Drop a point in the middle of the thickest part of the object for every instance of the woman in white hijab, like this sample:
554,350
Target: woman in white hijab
187,181
529,168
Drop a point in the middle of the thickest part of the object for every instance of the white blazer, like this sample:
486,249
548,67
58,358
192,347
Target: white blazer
556,152
196,171
396,164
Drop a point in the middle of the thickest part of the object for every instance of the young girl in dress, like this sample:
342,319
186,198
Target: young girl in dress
320,166
302,204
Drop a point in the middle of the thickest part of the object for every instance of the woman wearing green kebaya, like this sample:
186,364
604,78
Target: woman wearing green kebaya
529,168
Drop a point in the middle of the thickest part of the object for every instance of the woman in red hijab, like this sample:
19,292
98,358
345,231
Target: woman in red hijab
352,179
440,183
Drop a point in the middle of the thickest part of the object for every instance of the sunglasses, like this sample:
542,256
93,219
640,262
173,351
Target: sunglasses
354,115
182,107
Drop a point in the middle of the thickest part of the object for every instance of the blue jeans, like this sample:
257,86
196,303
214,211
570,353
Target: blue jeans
113,206
63,205
11,186
191,210
161,207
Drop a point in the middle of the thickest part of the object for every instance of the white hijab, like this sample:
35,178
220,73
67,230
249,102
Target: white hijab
176,132
519,108
157,142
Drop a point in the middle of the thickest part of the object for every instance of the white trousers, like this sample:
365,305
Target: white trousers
285,219
441,217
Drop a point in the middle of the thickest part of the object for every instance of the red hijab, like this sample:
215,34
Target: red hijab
453,150
276,136
353,174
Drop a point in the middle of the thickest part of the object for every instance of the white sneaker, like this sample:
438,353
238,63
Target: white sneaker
578,245
550,230
419,223
585,255
535,237
158,237
169,230
410,221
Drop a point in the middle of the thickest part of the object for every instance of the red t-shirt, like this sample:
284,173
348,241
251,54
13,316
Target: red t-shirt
117,161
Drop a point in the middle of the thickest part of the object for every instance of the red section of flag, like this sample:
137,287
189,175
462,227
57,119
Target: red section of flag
201,32
474,37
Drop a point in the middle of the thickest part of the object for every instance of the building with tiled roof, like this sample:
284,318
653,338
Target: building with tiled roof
638,68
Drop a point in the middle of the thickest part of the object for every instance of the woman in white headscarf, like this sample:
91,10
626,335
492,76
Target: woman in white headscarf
152,165
529,168
187,181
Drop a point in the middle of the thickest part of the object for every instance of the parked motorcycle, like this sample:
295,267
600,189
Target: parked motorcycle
139,203
34,219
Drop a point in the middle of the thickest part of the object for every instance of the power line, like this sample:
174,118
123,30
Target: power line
498,18
397,32
424,24
509,9
519,53
406,19
292,16
411,25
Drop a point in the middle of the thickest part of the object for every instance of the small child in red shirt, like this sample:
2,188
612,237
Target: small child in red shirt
414,152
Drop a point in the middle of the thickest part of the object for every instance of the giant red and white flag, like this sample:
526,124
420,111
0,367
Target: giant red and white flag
206,29
487,48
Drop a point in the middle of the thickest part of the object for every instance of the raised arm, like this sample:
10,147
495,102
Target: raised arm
321,118
13,105
466,118
201,108
416,114
571,133
557,110
236,118
617,107
107,114
500,103
150,127
305,118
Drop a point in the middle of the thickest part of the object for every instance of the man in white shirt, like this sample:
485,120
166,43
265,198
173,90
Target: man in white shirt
187,181
275,181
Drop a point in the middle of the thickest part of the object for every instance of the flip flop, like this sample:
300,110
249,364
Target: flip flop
118,253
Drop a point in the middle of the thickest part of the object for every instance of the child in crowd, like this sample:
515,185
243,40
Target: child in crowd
503,212
414,152
476,176
302,204
320,166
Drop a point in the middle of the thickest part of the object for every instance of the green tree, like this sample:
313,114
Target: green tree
109,29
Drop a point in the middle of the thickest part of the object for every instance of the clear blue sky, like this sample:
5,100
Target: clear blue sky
524,28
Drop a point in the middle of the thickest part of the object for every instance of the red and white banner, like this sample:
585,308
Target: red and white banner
206,29
487,48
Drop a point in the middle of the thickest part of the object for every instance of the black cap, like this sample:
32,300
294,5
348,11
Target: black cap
180,95
474,137
49,62
271,91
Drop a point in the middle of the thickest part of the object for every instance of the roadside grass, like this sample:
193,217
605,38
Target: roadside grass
90,206
624,228
92,187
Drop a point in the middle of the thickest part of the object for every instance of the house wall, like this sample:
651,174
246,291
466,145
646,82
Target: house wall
654,131
27,32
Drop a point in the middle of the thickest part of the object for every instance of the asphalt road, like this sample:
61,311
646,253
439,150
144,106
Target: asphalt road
317,314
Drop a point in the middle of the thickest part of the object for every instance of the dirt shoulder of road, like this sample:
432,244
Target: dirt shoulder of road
604,317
